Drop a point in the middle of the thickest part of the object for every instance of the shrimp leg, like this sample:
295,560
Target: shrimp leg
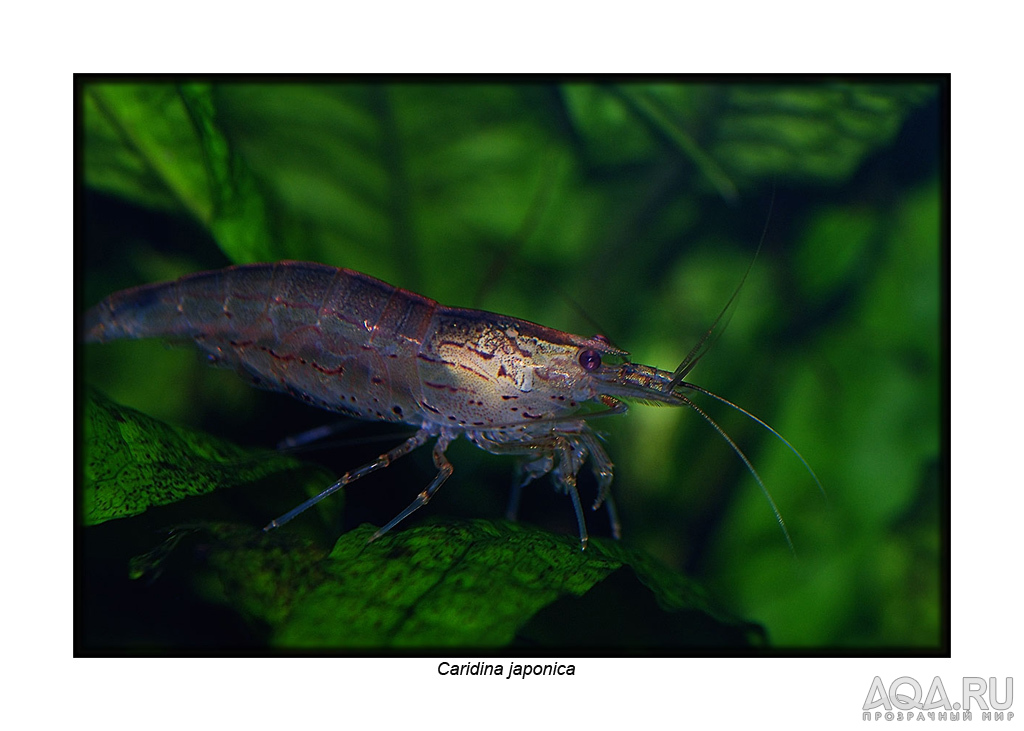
562,455
526,472
444,471
315,434
416,440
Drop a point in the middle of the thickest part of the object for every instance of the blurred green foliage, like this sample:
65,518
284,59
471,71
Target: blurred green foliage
639,205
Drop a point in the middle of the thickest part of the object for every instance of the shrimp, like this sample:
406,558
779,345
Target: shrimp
347,342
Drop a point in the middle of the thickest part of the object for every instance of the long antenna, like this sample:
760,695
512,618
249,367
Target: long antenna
750,467
727,402
698,351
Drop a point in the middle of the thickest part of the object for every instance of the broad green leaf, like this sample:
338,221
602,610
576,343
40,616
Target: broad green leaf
162,145
808,133
452,585
239,221
737,135
404,182
132,462
141,144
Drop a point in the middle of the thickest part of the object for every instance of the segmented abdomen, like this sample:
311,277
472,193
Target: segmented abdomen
336,338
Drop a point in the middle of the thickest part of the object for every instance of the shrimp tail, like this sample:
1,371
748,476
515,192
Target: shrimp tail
141,312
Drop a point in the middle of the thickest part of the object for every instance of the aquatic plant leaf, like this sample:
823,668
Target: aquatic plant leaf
458,585
162,145
737,135
132,462
141,145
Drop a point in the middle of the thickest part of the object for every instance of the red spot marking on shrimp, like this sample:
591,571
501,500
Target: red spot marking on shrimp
329,371
277,356
482,354
443,386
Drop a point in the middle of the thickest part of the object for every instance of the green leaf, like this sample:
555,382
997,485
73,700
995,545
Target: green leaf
402,182
162,145
141,144
821,133
453,585
738,135
132,462
239,220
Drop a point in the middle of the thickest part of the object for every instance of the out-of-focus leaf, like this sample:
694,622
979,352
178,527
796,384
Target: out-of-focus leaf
133,462
239,220
811,133
413,184
162,145
409,183
738,135
460,584
141,145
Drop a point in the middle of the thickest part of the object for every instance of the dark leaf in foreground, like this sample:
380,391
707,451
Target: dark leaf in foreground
472,584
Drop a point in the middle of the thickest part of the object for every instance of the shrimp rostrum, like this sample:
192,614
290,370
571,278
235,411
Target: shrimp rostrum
350,343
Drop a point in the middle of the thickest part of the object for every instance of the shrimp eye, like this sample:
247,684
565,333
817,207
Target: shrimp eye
590,360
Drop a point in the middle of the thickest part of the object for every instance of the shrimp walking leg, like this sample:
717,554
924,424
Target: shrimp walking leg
315,434
568,484
601,466
561,454
413,442
444,471
526,472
